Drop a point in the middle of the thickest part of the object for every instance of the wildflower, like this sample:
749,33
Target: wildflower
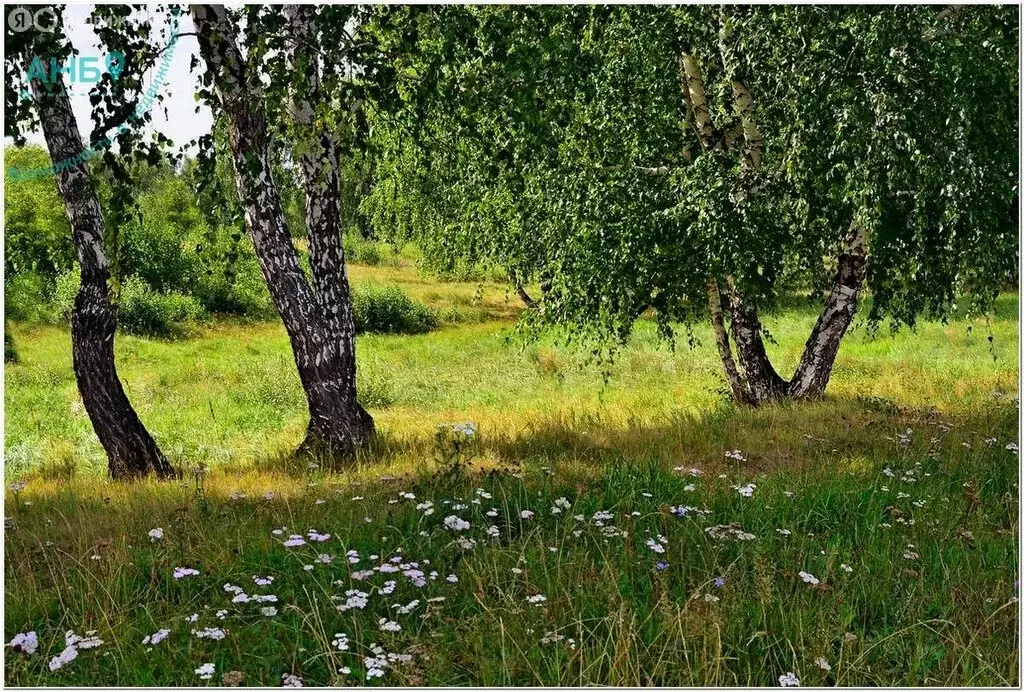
294,541
221,614
452,579
809,578
231,588
454,523
655,546
910,555
526,514
182,572
562,503
69,654
784,532
822,663
264,598
268,611
711,598
345,670
289,680
205,671
467,429
241,597
735,455
696,472
1012,447
789,680
25,643
719,582
493,531
746,490
214,633
156,534
324,558
537,599
340,641
845,567
269,495
353,556
426,507
408,608
689,487
661,566
354,599
787,493
18,486
318,537
156,637
388,625
466,543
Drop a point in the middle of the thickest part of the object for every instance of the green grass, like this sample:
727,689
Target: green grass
550,426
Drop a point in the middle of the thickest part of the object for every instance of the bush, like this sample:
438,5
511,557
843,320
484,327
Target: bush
388,310
26,297
146,312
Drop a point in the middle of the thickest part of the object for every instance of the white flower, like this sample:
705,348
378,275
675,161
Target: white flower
809,578
340,641
65,657
214,633
156,534
205,671
231,588
689,487
408,608
156,637
182,572
269,611
526,514
735,455
789,680
289,680
241,598
452,579
537,599
845,567
711,598
562,503
294,541
89,641
822,663
454,523
746,490
655,546
25,642
345,670
388,625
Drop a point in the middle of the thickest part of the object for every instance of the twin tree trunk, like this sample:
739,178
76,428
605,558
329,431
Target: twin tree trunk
131,450
317,317
755,381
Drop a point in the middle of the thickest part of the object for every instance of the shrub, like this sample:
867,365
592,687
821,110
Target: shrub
146,312
388,310
26,297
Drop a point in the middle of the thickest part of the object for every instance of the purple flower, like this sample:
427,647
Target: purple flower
719,582
661,566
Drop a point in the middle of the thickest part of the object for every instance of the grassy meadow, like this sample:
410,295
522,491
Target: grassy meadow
604,525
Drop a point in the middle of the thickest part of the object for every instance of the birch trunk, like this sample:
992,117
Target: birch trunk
334,427
319,163
131,450
819,356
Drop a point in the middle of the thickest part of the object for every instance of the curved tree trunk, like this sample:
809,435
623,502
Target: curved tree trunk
336,426
337,407
131,451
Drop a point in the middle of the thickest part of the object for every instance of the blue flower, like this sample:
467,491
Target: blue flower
661,566
719,582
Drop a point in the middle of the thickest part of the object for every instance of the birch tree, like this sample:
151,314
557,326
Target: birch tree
131,450
701,161
316,314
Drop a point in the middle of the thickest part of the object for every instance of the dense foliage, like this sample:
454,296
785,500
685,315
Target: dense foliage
559,143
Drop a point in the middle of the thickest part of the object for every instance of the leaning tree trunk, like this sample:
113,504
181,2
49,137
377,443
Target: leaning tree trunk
336,427
131,450
815,368
319,164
